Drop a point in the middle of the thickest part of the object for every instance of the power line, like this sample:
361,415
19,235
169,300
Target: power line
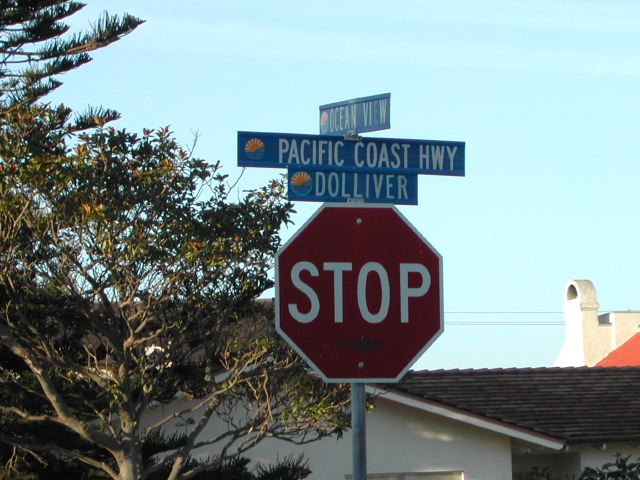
508,322
529,312
505,323
503,313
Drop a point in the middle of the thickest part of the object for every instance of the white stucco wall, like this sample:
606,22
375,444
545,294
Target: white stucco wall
399,439
580,319
597,455
626,324
571,463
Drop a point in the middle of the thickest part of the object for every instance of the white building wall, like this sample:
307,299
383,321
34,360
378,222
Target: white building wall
626,325
569,464
399,439
595,456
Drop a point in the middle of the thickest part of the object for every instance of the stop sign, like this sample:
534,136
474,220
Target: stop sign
359,293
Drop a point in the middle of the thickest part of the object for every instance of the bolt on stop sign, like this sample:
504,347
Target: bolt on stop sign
359,293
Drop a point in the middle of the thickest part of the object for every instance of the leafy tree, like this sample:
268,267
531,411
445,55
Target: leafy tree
128,280
289,469
620,469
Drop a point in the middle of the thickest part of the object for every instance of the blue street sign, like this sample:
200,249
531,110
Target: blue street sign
365,114
309,184
379,155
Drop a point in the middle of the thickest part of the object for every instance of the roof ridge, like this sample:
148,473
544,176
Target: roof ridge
522,369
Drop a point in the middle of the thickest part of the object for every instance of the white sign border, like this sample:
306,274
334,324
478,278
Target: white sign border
293,345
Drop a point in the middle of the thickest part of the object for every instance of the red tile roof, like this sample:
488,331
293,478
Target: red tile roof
575,405
626,355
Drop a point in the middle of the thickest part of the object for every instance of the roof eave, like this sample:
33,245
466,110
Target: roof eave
476,420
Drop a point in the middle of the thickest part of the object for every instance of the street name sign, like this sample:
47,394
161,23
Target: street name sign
379,155
322,185
359,293
358,115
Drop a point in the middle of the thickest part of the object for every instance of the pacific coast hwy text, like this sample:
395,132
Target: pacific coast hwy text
363,154
323,152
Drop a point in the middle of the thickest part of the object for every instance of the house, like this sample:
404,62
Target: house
493,424
591,337
568,418
497,424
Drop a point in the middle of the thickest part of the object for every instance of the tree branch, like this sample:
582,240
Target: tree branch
64,415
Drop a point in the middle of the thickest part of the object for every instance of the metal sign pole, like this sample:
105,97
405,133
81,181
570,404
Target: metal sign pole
355,170
358,404
358,429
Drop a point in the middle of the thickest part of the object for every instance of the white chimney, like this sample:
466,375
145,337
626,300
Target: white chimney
590,337
580,311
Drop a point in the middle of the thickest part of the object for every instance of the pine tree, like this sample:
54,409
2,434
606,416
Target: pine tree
36,47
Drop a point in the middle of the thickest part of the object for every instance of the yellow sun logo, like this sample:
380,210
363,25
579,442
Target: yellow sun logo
301,183
254,149
300,178
253,145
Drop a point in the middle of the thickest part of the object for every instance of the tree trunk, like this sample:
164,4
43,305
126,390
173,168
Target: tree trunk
130,464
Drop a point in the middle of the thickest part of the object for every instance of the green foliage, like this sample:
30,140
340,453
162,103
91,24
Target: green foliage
127,277
238,469
233,469
36,48
291,468
622,468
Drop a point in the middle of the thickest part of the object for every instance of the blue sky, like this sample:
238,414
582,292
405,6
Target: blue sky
545,94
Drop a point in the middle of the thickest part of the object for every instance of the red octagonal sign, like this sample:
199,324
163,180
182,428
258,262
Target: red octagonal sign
359,293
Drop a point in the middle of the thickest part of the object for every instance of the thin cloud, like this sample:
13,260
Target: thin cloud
524,53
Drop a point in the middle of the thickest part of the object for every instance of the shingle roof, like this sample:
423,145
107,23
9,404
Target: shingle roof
576,405
626,355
